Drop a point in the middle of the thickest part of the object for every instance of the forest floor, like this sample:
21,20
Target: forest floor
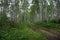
49,33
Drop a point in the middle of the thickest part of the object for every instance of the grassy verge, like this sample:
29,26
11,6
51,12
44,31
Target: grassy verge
21,33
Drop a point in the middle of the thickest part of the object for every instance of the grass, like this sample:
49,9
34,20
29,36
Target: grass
21,33
48,25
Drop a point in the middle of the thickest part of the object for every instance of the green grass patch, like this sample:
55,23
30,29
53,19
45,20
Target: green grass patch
48,25
21,33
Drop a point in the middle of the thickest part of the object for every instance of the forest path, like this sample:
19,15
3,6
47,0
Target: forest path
49,33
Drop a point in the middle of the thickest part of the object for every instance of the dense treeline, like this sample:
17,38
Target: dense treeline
25,11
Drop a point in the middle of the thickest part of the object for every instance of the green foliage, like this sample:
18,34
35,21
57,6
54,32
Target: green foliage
23,33
3,20
58,4
25,5
55,21
48,25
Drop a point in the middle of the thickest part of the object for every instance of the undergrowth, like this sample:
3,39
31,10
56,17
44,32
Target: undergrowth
21,33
